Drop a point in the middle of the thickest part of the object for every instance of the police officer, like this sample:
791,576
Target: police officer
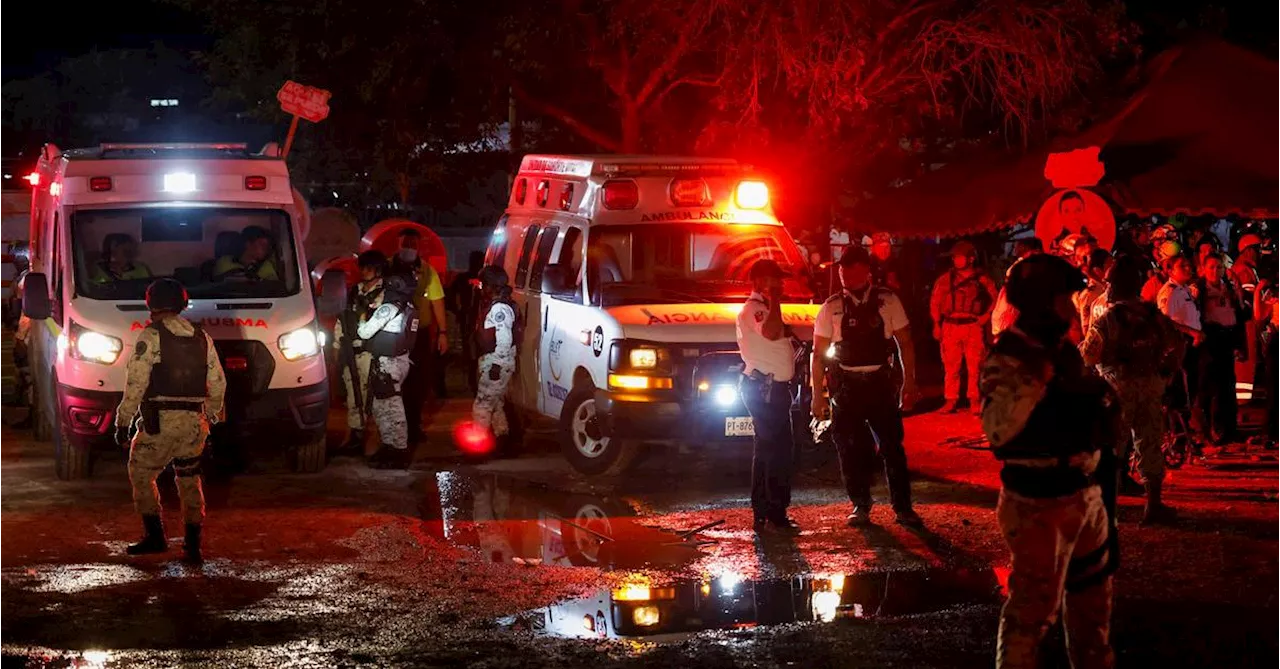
1137,349
855,335
769,363
1046,415
173,393
961,305
496,342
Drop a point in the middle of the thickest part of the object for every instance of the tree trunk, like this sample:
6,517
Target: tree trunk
630,128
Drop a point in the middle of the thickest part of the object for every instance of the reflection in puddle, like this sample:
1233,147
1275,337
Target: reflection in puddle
74,578
638,608
509,520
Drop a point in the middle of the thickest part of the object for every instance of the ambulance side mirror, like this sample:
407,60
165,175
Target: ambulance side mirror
556,281
333,293
35,297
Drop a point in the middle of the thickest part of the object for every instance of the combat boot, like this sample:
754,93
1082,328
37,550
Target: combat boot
191,544
152,540
354,443
1156,511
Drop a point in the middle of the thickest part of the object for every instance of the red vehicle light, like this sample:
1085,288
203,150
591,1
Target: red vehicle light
99,184
236,364
522,189
33,178
621,194
86,417
689,192
255,183
544,193
566,197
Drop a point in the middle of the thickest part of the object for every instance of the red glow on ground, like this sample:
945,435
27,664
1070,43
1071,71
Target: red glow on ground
472,439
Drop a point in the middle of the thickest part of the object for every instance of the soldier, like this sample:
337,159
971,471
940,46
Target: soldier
1003,315
1087,300
961,306
769,363
1137,349
857,332
1045,415
173,393
428,352
497,339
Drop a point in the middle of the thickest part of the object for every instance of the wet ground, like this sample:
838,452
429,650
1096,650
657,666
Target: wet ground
520,563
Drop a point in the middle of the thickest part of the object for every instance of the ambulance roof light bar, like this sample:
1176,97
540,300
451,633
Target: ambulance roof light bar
175,146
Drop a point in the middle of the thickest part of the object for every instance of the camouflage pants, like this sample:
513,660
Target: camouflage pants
180,442
487,411
1141,402
963,345
388,412
1054,543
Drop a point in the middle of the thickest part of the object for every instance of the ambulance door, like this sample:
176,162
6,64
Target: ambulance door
524,384
533,347
563,319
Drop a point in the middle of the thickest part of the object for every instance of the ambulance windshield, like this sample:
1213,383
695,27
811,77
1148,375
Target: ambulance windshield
215,252
639,264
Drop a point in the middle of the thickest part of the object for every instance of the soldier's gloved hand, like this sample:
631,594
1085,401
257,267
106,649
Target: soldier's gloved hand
122,435
494,372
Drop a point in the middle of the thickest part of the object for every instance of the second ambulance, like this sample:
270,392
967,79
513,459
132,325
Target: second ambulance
629,273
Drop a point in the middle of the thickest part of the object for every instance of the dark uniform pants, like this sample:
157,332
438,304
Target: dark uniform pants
1215,394
865,414
774,456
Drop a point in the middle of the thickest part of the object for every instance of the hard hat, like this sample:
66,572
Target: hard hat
1248,240
1035,281
964,248
166,295
1168,249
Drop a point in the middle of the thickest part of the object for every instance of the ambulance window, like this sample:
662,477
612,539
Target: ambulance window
544,255
571,251
526,251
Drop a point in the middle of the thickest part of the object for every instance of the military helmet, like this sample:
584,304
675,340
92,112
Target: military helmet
397,287
1036,281
493,275
166,295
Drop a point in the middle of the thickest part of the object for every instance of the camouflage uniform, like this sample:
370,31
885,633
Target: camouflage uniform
1133,344
487,411
960,307
181,436
388,412
1037,404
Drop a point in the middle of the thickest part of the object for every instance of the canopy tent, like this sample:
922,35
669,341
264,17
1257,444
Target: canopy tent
1200,137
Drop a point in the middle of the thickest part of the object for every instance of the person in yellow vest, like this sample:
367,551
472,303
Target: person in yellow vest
253,263
428,351
119,261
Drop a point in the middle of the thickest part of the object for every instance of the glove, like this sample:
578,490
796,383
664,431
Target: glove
494,372
122,435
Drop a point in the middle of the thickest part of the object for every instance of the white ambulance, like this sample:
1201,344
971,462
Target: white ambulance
629,273
105,223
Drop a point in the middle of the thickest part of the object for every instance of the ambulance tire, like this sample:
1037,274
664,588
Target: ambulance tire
41,429
588,451
71,461
309,456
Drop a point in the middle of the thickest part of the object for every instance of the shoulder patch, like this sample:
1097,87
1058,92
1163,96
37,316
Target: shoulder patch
139,349
499,315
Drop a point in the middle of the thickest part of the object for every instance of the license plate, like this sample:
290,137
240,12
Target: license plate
739,426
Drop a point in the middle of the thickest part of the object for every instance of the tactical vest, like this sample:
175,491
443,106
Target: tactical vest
862,339
183,368
398,335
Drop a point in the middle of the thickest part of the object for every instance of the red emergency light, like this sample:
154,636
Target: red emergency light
473,439
255,183
566,197
236,364
544,193
99,184
33,178
621,194
522,189
752,195
689,192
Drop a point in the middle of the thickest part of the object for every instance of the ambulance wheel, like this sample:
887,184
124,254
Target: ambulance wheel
41,429
72,461
583,440
309,456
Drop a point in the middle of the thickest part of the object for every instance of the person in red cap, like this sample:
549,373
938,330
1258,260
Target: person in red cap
1245,269
961,306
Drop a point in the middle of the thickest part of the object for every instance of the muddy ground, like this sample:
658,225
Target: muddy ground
520,563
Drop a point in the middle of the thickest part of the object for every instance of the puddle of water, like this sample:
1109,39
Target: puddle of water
639,610
509,520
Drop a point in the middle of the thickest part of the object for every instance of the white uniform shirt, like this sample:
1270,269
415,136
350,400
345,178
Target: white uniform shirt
831,314
502,319
1175,301
776,357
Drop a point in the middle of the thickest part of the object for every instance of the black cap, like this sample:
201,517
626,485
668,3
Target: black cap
767,268
854,255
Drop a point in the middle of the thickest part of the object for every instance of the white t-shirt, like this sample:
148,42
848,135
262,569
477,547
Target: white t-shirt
776,357
502,319
1175,301
831,313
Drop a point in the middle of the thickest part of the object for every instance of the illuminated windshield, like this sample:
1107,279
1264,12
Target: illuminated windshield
215,252
687,263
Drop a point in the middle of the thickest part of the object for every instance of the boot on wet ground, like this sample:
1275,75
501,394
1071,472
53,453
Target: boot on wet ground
1156,511
152,538
354,445
191,544
861,516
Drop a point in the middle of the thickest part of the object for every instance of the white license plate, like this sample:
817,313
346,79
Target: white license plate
739,426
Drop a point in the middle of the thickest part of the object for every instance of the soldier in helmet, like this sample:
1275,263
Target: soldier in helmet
1047,418
173,393
497,340
961,306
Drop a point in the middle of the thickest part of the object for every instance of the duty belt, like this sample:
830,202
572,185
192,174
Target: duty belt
960,320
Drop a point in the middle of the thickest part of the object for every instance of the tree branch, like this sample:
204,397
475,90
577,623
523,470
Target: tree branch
570,121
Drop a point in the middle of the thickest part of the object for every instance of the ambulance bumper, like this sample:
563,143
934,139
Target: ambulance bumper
665,416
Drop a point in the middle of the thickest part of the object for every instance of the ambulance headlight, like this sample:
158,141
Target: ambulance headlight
95,346
643,358
299,344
